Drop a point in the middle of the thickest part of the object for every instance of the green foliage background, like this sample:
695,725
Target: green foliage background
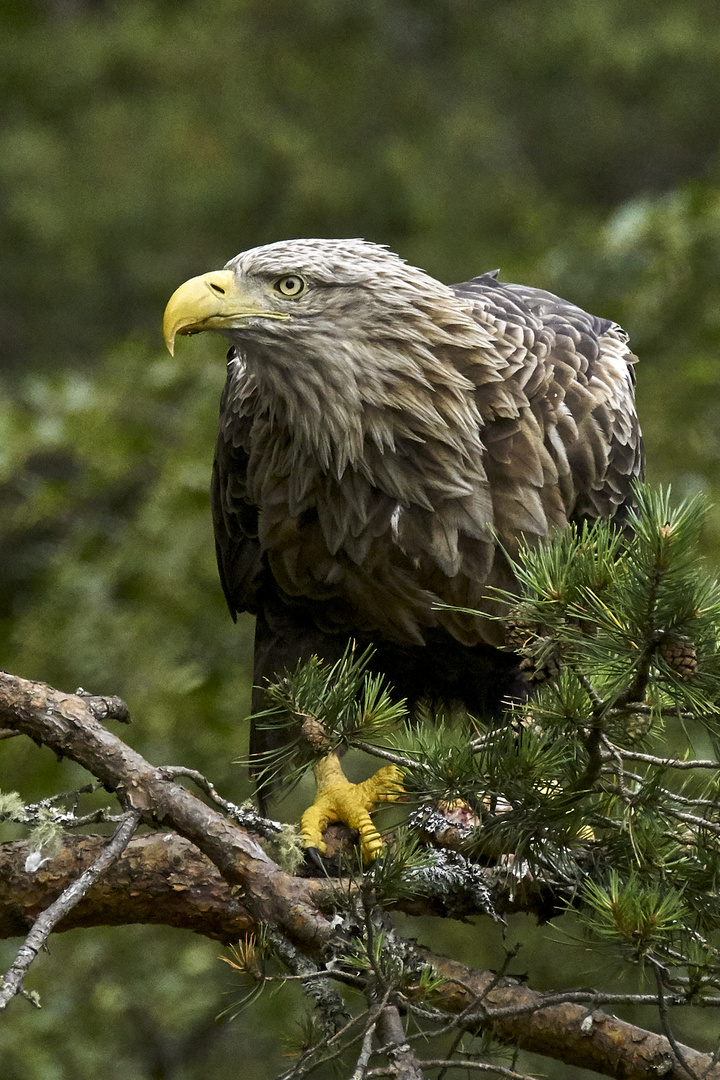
574,145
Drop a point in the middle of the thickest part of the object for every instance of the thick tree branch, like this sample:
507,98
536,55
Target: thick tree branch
66,724
160,878
586,1037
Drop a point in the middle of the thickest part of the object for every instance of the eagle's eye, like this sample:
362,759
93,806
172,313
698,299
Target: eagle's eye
290,285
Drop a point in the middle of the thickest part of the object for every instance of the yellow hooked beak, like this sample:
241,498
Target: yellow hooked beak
210,302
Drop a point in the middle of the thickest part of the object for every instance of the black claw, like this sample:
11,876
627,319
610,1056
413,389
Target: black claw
313,856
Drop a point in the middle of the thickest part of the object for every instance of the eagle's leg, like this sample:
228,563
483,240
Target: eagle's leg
339,800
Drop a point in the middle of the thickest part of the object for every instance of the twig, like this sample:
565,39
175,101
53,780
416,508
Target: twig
403,761
366,899
672,796
639,708
620,770
578,997
312,1058
665,1022
665,763
44,924
599,706
328,1001
247,816
332,1047
442,1063
693,819
595,759
510,955
394,1044
365,1049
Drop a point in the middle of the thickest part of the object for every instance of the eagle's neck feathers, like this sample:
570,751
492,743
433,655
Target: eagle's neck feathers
336,394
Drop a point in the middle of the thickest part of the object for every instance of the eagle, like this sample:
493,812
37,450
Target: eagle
387,442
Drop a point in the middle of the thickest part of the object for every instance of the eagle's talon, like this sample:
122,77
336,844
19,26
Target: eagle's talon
339,800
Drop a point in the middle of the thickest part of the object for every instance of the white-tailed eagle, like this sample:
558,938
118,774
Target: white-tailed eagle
386,439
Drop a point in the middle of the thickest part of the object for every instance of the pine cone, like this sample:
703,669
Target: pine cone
635,728
679,654
316,734
533,669
519,630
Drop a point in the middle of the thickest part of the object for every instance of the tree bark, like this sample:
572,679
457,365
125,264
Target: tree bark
161,878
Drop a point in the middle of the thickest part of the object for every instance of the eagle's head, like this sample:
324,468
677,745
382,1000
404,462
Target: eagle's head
320,292
341,341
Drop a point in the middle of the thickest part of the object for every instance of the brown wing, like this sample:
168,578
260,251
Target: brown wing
574,449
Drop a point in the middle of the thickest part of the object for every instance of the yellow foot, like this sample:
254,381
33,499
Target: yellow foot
339,800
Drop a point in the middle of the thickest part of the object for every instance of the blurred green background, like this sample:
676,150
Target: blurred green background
574,145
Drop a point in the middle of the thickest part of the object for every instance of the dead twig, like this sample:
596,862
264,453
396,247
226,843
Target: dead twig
12,983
